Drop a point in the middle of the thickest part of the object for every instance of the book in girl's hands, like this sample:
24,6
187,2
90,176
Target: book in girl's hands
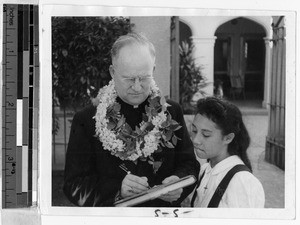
155,192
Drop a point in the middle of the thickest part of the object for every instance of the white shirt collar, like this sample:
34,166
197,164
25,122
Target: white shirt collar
224,164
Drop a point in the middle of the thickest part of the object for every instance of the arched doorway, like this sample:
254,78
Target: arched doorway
185,33
239,59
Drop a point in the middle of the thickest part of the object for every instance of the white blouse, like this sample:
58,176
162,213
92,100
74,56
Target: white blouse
243,191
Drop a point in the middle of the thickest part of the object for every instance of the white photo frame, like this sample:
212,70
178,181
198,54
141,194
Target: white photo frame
48,10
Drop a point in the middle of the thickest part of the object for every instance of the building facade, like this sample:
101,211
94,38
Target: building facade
245,54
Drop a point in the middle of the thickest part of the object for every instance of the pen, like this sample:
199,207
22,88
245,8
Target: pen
124,168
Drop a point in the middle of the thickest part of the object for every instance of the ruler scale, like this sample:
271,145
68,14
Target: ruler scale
36,64
10,49
20,105
25,102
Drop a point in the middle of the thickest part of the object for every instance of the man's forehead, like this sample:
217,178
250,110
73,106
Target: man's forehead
134,49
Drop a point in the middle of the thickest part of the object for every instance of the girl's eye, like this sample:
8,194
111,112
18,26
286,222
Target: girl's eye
194,130
206,135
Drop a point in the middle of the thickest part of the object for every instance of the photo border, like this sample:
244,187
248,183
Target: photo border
45,128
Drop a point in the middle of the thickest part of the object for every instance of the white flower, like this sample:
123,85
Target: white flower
159,119
154,88
151,143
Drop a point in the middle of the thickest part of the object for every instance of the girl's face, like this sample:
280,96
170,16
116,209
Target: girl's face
209,142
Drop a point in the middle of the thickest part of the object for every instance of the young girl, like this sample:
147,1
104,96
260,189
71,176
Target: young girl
220,136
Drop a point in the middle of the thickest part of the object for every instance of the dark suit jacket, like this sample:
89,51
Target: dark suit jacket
92,174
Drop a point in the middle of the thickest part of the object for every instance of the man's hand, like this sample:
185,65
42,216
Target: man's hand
172,195
132,184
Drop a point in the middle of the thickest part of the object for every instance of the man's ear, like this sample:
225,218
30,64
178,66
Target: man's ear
111,71
228,138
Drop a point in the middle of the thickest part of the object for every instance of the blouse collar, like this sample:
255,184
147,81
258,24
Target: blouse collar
224,165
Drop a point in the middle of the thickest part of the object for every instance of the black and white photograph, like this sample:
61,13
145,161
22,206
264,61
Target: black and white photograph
206,71
163,111
223,82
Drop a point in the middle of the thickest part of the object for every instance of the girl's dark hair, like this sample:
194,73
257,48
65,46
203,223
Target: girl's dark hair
229,119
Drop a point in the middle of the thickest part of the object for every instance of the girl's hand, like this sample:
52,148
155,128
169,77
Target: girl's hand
172,195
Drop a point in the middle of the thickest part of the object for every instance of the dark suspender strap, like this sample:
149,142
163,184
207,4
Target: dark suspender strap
195,193
216,198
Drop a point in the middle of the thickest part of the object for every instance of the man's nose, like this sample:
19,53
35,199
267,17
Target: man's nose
137,85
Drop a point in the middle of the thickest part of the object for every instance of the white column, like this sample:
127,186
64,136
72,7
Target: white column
204,57
160,37
267,81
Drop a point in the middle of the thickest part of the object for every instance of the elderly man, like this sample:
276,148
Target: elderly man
132,139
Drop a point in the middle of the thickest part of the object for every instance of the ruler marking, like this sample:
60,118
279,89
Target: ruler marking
20,53
34,192
19,170
30,134
25,121
25,169
11,46
20,111
31,14
25,73
19,122
31,45
26,27
30,74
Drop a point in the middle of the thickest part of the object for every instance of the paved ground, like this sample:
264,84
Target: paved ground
272,177
256,120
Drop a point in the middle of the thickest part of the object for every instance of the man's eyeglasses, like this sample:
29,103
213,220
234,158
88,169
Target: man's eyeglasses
141,79
132,80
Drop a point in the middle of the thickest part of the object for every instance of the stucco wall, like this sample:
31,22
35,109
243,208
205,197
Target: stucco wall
157,30
205,26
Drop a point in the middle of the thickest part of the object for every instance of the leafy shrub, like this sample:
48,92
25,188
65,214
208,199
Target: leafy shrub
191,79
81,56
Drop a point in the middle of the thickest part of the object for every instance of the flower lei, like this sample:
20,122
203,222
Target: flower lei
155,131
